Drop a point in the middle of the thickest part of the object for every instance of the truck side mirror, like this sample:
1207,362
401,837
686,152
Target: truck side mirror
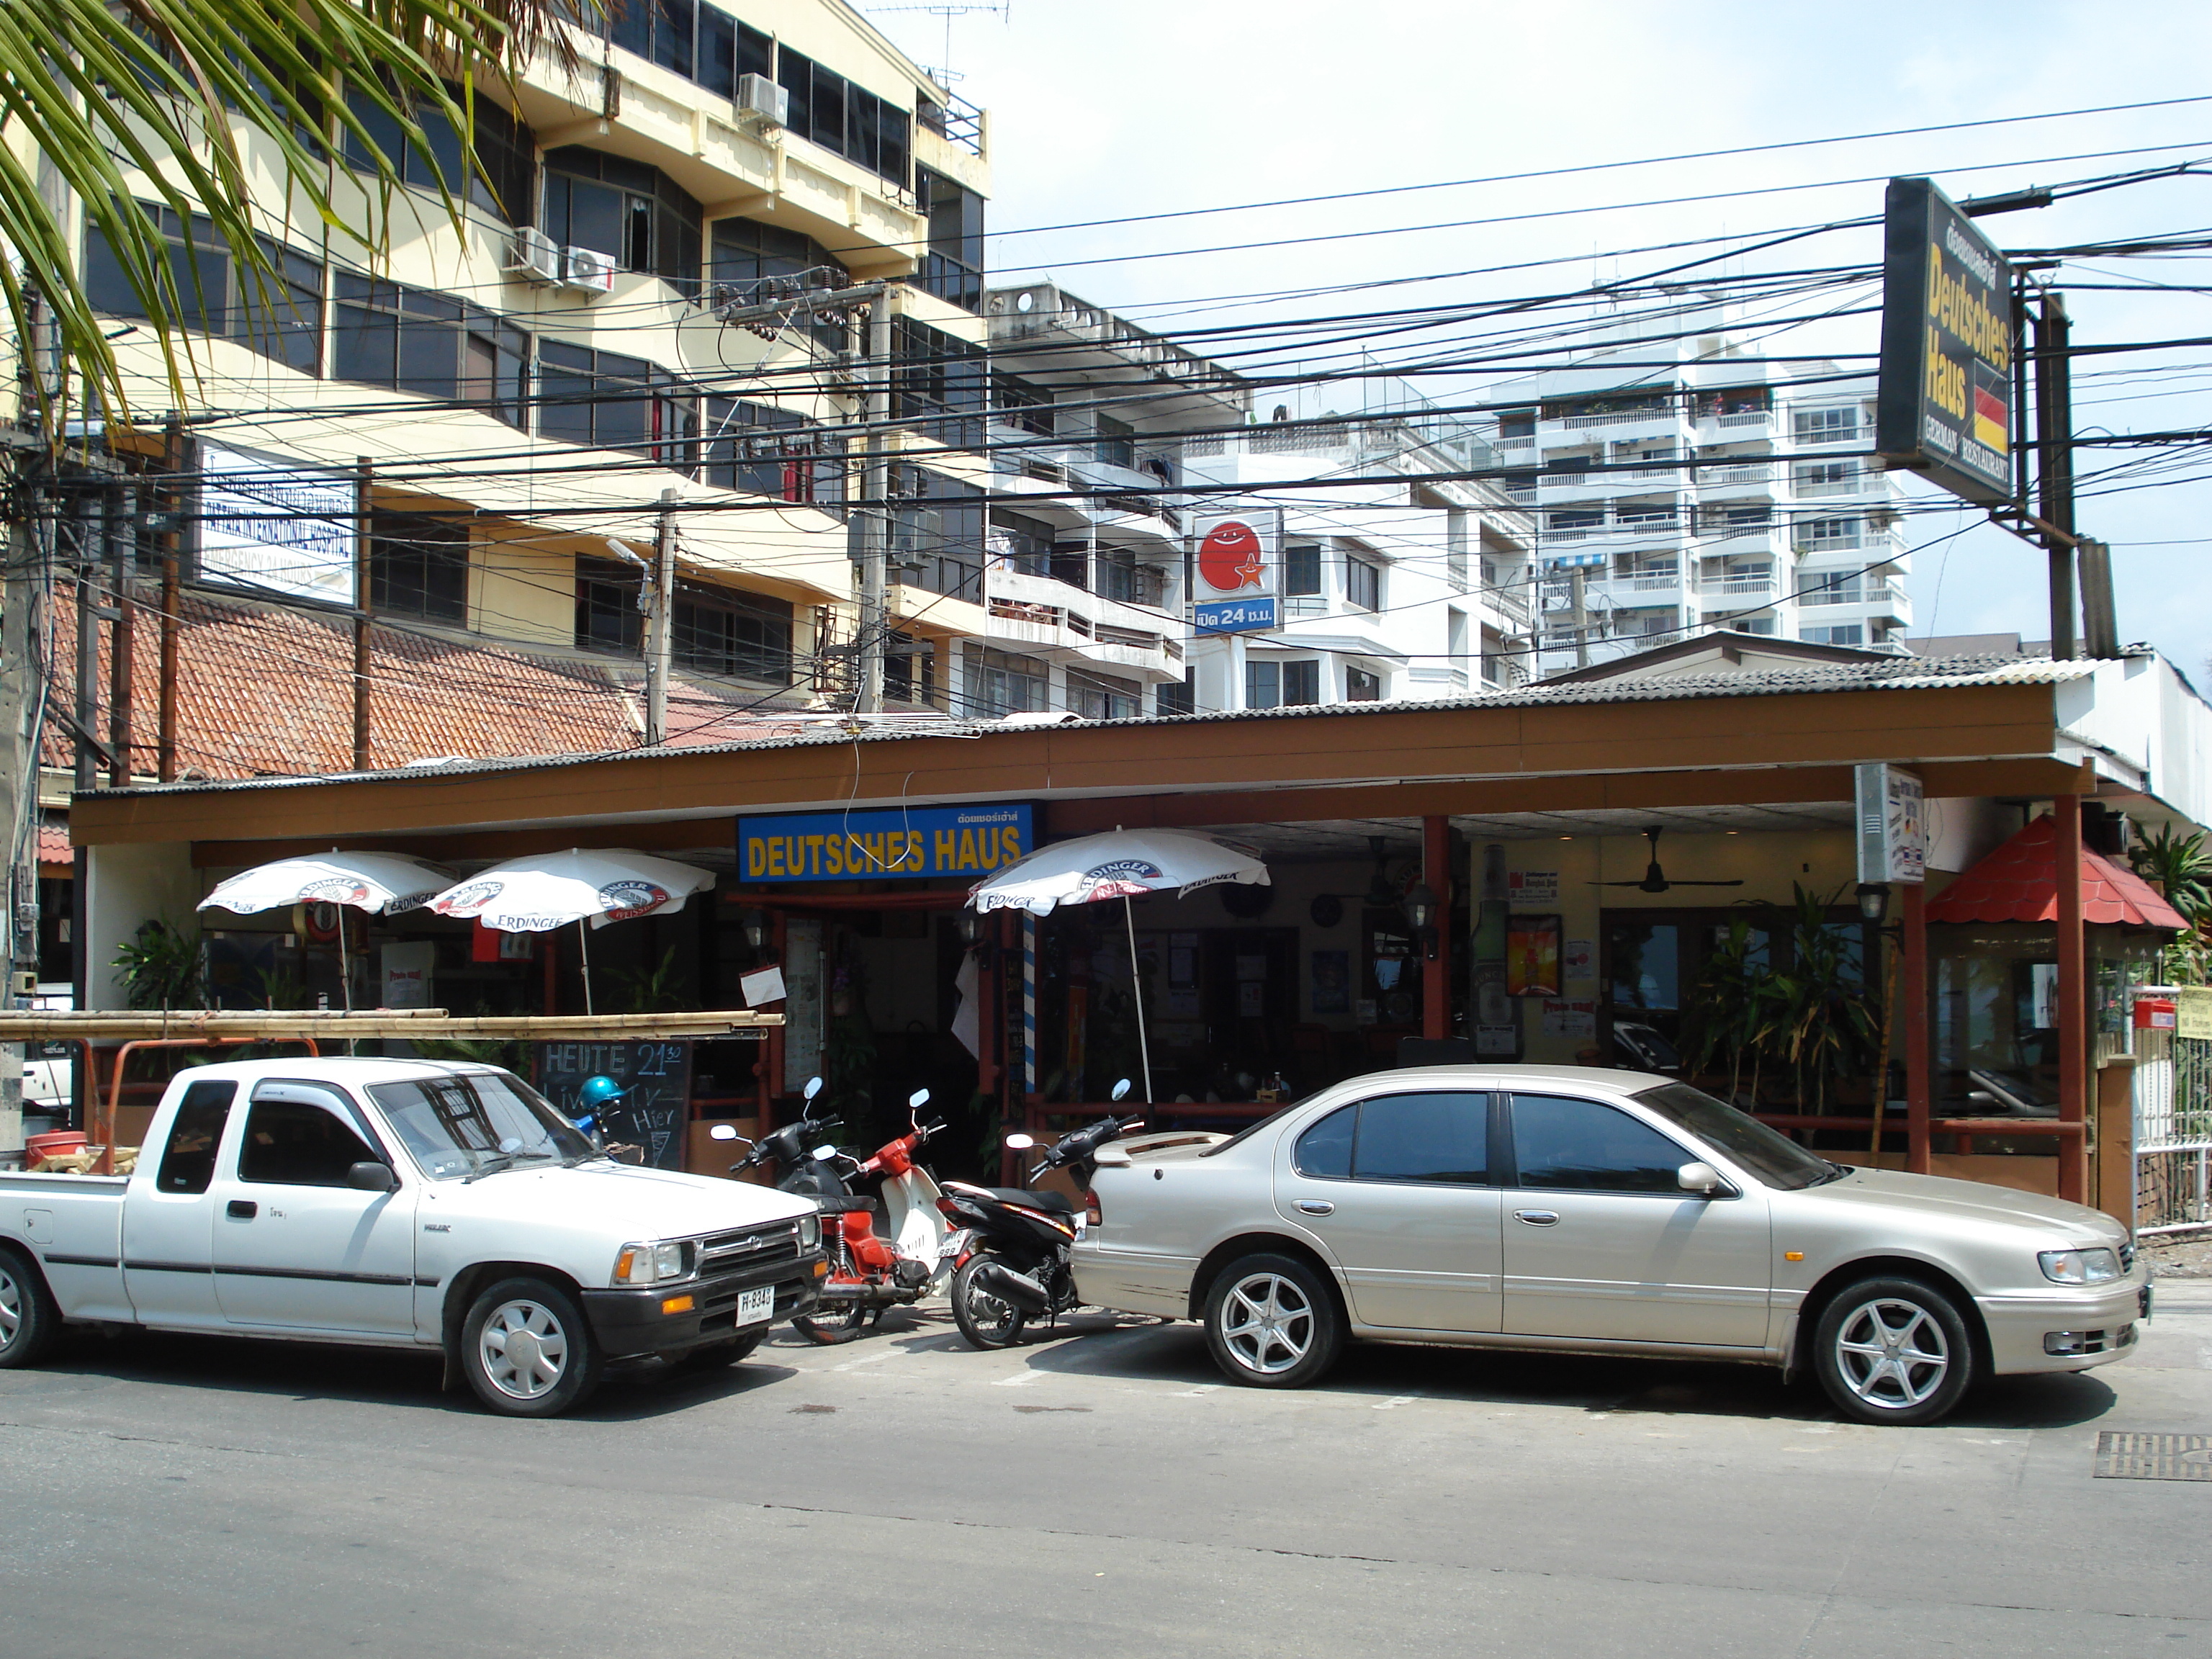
370,1176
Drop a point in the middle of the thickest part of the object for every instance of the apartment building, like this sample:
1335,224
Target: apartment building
1724,491
653,324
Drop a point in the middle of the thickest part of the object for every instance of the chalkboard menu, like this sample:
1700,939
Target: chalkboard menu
655,1076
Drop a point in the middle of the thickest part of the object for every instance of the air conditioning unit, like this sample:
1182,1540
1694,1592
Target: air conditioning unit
537,256
760,99
588,269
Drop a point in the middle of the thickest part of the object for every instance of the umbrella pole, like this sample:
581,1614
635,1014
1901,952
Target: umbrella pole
345,968
1137,991
584,940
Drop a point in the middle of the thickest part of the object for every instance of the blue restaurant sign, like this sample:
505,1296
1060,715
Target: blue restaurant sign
909,842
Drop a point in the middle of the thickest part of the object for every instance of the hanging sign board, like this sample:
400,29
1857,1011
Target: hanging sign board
1893,824
903,843
1944,405
1235,563
270,526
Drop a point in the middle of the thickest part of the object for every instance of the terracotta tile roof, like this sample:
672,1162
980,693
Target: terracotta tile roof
2019,882
55,855
264,691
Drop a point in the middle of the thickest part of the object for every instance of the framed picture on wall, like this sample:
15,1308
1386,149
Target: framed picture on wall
1533,951
1331,981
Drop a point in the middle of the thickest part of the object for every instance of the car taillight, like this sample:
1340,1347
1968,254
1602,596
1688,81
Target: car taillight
1091,1216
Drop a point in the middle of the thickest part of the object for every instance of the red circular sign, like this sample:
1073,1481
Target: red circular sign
1229,557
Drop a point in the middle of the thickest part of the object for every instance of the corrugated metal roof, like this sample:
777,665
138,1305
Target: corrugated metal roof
791,730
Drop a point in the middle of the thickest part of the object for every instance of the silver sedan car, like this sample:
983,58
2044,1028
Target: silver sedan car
1597,1212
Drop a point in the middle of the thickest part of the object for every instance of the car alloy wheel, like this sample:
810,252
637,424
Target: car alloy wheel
1267,1323
1891,1353
11,1305
524,1349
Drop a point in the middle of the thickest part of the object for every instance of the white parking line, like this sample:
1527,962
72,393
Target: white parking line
1022,1380
1395,1401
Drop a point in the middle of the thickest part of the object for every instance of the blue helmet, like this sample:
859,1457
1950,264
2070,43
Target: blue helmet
597,1092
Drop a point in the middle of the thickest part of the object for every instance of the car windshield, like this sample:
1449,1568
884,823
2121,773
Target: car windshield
1775,1158
467,1123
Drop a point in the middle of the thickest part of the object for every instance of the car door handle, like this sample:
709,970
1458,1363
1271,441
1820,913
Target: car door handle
241,1209
1538,1217
1316,1205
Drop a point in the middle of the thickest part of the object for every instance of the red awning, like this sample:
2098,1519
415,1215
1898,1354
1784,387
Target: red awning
2019,882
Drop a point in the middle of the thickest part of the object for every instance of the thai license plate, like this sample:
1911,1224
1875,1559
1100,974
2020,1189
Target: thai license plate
954,1244
757,1307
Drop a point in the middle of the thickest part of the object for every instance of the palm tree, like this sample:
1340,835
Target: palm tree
97,91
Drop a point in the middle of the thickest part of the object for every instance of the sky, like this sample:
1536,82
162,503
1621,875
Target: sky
1109,109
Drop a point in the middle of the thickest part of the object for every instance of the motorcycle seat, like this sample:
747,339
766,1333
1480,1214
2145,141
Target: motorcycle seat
1057,1203
844,1206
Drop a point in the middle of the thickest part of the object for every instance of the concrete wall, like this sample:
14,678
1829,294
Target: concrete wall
127,885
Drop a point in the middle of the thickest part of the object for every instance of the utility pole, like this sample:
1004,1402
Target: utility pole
876,519
659,621
364,520
115,536
172,592
2054,467
1575,587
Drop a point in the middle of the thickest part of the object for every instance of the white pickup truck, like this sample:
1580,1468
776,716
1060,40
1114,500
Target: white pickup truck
408,1204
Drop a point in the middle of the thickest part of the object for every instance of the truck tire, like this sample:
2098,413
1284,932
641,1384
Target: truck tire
528,1349
30,1323
1272,1322
1894,1350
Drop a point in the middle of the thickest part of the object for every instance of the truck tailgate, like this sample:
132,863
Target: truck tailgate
74,1225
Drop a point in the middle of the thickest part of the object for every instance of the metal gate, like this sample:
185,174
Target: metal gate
2173,1132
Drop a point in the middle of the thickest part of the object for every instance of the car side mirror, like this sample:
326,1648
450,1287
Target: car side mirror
370,1176
722,1132
1700,1178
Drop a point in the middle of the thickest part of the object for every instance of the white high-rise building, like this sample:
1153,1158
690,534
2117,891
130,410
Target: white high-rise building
1721,489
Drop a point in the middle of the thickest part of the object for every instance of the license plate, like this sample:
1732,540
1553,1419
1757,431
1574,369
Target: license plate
757,1307
954,1244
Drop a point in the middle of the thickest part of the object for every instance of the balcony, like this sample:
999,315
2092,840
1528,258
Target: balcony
1738,424
1811,538
1042,617
1662,414
1739,589
1891,593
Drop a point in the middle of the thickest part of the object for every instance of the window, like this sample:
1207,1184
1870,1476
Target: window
609,402
188,1161
1360,686
1516,423
1772,1156
1103,696
1022,543
1301,568
1002,683
1826,477
295,1143
279,316
1176,697
1302,681
752,262
418,566
1821,535
938,531
1835,633
452,1126
1363,585
390,335
1423,1137
505,161
723,631
1263,685
767,451
936,374
1116,445
1826,426
1735,520
1021,405
607,616
909,671
1325,1150
634,214
729,51
953,270
829,111
1579,1146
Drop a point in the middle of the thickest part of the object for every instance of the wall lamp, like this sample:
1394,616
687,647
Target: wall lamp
1873,901
1421,909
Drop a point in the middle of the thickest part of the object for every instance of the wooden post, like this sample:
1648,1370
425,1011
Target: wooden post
2073,1000
1919,1074
165,718
2116,1139
773,1064
363,756
552,943
1436,972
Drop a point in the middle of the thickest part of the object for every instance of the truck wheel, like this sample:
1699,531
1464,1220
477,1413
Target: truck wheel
1271,1321
527,1350
716,1355
30,1324
983,1319
1894,1350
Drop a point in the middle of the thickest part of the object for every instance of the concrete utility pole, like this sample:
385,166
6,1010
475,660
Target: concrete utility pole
2054,466
876,519
660,622
27,572
1575,584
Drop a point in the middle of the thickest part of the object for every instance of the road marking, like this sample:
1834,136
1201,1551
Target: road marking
866,1359
1022,1379
1191,1394
1395,1401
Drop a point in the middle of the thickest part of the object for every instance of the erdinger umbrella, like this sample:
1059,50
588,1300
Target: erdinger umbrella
545,890
386,883
1123,864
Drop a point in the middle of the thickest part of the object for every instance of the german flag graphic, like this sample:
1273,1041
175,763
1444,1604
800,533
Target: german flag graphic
1992,418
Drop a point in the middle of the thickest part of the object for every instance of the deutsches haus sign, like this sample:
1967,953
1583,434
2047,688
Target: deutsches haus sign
900,843
1944,406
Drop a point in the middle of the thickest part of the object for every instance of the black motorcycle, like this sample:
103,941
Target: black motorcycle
1014,1262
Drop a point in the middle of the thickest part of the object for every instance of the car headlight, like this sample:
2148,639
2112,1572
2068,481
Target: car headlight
2094,1266
809,1233
652,1263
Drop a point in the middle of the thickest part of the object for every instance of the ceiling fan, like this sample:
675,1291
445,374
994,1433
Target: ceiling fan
1654,879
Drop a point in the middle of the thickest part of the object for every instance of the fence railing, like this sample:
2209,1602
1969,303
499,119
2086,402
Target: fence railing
2173,1131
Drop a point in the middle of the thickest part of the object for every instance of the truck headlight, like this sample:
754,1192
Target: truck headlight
652,1263
809,1233
2093,1267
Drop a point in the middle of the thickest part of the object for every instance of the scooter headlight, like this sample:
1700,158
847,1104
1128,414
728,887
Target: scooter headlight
810,1232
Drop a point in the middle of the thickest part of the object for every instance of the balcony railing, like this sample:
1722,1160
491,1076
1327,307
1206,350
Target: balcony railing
1620,416
1759,473
1738,586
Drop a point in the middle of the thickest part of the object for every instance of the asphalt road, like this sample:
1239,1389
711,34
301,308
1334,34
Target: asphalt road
1099,1494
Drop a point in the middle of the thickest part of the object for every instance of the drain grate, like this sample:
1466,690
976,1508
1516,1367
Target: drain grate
2155,1456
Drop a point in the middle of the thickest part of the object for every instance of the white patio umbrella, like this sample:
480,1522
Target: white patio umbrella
542,891
389,883
1121,865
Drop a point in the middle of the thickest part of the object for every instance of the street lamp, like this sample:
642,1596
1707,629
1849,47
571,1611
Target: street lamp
1421,916
1873,901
